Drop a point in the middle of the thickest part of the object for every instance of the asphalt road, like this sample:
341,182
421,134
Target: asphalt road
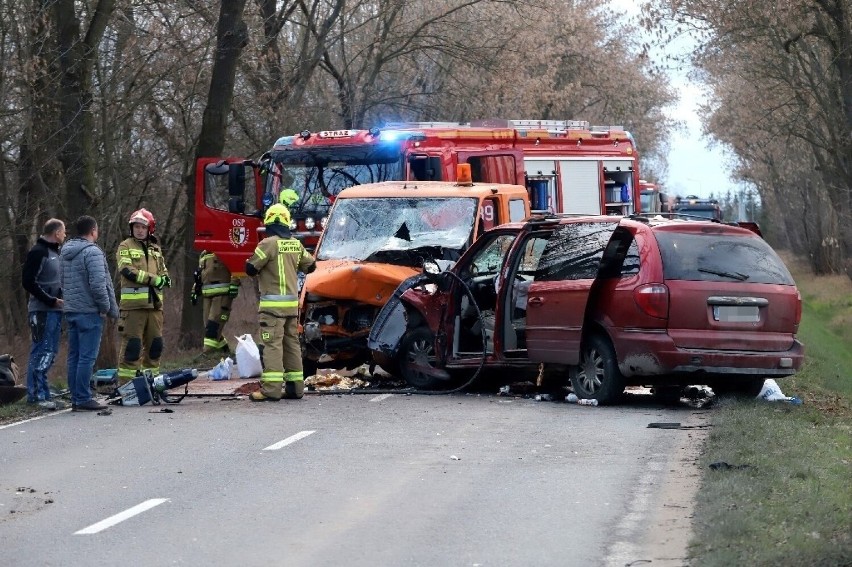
472,480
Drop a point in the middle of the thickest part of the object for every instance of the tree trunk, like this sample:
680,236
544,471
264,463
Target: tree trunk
77,52
231,38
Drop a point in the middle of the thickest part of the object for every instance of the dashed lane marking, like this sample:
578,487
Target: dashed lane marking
121,516
381,397
285,442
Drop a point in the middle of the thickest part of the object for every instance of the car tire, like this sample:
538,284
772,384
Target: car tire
597,375
417,348
745,387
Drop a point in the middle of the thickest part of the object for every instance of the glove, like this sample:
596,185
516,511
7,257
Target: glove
162,281
193,297
167,281
233,290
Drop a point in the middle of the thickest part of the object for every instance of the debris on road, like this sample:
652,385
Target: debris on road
722,465
771,392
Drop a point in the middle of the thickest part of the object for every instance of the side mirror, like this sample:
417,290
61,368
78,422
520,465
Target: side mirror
431,268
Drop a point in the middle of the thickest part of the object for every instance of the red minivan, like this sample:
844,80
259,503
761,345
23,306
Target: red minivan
615,301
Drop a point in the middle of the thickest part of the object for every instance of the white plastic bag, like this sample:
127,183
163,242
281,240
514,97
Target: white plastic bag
248,357
221,371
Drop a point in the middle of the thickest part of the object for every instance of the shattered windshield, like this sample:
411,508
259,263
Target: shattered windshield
319,174
400,231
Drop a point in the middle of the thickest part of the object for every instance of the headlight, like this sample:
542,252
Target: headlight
310,223
293,224
323,221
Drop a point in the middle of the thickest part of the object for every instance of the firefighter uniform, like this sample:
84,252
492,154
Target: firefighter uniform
143,276
275,263
218,290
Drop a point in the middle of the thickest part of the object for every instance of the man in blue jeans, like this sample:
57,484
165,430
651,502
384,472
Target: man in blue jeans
89,295
42,278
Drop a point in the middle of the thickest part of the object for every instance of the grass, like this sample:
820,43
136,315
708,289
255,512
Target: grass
793,505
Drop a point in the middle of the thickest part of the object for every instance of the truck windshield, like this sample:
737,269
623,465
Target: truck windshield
704,212
402,231
319,174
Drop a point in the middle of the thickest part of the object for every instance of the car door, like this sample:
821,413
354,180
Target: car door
557,297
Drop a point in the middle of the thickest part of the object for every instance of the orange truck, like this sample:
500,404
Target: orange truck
377,236
566,166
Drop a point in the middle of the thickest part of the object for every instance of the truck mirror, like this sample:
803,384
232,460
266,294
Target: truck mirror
237,205
236,180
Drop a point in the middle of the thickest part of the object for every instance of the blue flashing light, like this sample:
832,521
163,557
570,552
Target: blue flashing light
390,135
284,141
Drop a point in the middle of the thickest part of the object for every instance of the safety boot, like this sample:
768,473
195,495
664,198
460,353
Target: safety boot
294,389
269,391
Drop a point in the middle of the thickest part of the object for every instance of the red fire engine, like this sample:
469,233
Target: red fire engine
566,165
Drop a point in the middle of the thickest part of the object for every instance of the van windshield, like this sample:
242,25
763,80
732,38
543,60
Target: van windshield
401,231
723,258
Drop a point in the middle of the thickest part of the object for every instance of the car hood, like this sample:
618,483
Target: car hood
366,282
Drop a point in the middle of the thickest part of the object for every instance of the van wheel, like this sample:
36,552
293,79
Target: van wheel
597,376
417,359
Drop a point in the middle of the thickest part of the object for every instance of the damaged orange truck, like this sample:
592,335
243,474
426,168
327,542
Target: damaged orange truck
377,236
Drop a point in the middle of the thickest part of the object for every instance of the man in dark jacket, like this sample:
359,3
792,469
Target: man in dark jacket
89,296
42,276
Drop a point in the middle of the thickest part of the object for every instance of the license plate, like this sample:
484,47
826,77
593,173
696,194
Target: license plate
736,313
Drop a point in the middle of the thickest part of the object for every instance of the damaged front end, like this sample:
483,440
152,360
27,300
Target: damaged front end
338,311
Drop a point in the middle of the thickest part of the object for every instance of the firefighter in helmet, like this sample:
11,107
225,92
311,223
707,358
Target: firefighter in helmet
288,198
143,275
215,285
275,262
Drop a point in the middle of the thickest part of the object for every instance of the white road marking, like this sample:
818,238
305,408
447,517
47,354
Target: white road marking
121,516
34,418
381,397
291,439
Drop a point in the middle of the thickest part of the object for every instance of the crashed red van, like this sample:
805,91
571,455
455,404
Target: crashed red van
614,301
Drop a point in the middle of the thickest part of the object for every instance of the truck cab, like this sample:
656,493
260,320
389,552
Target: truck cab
379,235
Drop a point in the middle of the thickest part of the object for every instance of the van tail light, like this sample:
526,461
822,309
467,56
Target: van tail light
798,309
653,299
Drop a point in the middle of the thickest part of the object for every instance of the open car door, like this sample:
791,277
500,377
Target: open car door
559,292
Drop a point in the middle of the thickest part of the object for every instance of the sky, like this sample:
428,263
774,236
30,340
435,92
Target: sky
696,167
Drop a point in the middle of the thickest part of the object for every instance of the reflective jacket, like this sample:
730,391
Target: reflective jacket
139,265
275,262
216,279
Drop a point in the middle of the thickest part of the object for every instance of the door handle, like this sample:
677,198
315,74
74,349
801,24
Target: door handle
535,301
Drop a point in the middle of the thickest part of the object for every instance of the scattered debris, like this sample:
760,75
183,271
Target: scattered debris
247,388
664,425
675,425
571,398
105,412
722,465
504,390
334,382
162,410
543,398
453,457
771,392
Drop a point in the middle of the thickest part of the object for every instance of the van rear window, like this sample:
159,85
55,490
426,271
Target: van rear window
727,257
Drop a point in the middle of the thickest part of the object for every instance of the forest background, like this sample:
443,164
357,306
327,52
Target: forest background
106,104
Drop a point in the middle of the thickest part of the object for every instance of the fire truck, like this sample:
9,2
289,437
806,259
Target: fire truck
693,207
566,165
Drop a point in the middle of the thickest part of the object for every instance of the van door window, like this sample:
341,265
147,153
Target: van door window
574,251
621,257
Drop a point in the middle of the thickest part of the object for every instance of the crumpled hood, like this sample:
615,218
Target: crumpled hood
370,283
73,247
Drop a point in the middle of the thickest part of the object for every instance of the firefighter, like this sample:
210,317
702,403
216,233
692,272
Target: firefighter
217,288
288,198
275,262
143,276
